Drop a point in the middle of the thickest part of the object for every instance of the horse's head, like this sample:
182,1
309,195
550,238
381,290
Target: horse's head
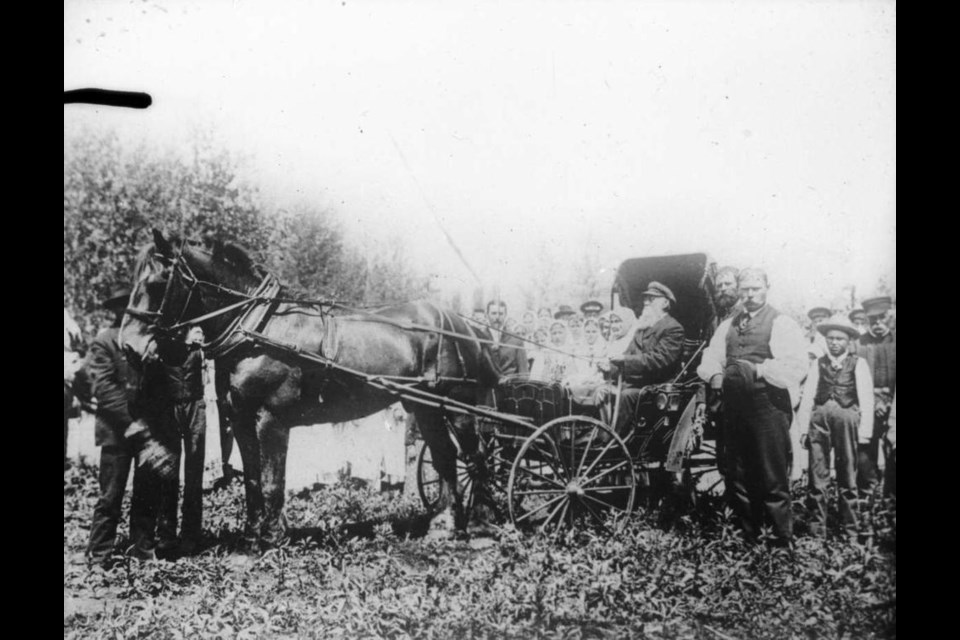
177,282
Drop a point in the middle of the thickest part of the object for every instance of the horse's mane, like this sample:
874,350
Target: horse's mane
235,255
232,253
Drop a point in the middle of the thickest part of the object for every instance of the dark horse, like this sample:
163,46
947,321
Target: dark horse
277,353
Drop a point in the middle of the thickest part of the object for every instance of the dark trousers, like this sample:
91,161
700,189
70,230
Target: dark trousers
890,474
868,463
756,423
115,462
185,433
629,403
833,429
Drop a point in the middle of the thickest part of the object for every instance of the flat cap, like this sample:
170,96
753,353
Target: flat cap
591,306
659,290
877,306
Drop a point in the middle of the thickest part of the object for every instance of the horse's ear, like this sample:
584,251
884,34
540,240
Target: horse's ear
163,247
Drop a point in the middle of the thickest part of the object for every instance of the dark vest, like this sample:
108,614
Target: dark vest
837,384
184,381
749,338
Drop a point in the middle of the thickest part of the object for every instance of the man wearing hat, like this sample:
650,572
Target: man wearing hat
879,348
591,308
563,311
858,318
116,387
818,346
757,359
837,413
652,356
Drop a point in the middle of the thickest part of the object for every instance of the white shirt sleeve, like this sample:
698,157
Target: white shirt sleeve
865,396
715,354
806,398
790,362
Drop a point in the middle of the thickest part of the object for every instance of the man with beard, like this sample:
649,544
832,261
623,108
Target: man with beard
726,299
757,359
879,348
508,350
651,356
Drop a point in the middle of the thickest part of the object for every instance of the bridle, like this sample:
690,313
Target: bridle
168,321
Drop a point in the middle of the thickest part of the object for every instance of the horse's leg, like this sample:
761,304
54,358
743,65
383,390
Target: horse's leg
444,454
245,431
274,439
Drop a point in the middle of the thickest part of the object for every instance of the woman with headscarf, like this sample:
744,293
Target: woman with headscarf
623,323
554,361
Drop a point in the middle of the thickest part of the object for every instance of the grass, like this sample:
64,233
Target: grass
349,574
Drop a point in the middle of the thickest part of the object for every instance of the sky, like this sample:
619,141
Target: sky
760,132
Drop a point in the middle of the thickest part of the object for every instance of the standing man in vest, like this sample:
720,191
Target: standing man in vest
837,414
757,359
879,348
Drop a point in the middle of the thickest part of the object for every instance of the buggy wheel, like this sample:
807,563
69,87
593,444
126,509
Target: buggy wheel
428,480
481,477
571,471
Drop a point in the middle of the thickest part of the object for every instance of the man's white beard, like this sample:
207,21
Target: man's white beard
649,317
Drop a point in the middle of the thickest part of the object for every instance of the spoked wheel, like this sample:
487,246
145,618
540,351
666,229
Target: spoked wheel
428,480
572,471
484,471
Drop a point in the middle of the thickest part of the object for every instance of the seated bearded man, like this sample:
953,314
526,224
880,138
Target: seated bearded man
651,356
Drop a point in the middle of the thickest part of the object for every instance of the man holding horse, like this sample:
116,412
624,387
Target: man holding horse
121,398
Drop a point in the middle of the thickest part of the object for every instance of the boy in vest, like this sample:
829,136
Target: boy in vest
837,410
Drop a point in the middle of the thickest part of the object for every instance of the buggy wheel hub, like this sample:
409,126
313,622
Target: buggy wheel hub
574,488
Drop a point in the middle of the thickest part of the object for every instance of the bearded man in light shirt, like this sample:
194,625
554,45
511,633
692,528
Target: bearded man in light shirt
757,359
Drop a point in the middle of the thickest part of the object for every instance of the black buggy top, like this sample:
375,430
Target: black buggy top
691,278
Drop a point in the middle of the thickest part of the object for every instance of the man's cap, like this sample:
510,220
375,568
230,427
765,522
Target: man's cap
839,323
857,313
563,311
659,290
591,306
119,297
819,312
877,306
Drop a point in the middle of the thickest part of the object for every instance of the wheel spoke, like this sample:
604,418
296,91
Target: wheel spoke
586,449
600,456
543,506
540,476
596,516
620,487
539,492
543,526
605,505
605,472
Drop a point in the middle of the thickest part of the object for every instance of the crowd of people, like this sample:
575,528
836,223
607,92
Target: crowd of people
838,380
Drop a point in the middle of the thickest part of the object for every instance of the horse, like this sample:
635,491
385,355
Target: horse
291,362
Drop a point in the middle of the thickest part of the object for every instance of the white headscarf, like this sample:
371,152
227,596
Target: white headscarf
619,346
